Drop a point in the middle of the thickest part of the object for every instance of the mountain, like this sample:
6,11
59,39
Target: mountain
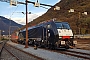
7,25
79,22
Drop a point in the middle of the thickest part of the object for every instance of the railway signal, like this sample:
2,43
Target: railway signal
13,2
1,34
37,4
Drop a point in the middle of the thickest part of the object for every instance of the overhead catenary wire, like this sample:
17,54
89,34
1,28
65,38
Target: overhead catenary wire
8,1
14,11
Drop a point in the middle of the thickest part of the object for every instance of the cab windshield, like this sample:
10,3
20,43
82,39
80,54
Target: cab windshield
62,25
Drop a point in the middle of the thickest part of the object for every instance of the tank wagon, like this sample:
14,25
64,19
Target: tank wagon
49,34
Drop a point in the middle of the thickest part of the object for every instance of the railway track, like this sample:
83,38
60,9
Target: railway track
7,52
76,54
15,53
73,53
25,55
37,58
12,54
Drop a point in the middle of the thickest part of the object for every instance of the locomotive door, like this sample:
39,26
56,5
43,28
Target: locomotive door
47,33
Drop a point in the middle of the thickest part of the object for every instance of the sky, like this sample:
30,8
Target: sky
14,12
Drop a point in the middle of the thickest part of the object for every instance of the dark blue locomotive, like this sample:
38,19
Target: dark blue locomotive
49,34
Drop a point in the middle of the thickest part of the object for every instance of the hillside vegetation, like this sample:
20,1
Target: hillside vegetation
79,22
8,26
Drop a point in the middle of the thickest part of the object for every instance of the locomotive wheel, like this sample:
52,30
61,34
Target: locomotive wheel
68,44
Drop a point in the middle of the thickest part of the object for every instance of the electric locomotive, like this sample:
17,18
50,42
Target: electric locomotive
14,37
49,34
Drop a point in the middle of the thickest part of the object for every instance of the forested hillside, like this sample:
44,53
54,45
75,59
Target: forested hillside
79,22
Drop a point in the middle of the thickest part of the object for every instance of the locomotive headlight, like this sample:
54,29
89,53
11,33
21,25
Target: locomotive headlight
60,37
74,42
62,42
42,41
34,40
48,30
71,37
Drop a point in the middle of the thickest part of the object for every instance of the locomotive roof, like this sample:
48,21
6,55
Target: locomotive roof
43,23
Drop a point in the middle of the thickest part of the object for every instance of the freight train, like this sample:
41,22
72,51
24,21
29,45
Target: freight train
51,34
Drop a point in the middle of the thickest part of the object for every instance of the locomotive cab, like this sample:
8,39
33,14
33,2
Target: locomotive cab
65,35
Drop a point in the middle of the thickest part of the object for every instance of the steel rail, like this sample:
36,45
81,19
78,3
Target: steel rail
39,58
12,54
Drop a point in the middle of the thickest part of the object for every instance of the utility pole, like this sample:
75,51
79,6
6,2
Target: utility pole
26,44
0,35
79,28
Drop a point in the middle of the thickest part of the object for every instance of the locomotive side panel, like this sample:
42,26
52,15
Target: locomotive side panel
35,33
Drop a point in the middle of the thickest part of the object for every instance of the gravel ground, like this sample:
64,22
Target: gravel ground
47,55
83,44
